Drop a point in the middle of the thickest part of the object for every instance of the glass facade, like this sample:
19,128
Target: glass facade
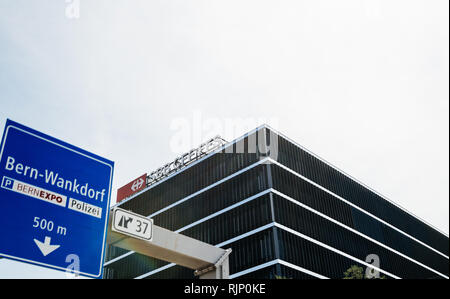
285,214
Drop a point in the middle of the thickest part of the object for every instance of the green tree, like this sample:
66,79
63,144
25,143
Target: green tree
354,272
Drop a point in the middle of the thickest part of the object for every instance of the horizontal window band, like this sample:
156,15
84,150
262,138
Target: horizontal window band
301,269
156,271
254,268
118,258
247,271
358,233
275,262
355,206
240,203
261,162
294,232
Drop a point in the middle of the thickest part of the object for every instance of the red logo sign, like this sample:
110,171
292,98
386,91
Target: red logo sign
131,188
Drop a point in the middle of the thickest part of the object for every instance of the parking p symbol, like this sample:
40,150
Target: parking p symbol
7,183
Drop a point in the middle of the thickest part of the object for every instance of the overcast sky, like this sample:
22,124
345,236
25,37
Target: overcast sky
363,84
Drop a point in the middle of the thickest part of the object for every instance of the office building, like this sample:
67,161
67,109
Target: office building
285,213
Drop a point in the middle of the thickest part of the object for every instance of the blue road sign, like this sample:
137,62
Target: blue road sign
54,202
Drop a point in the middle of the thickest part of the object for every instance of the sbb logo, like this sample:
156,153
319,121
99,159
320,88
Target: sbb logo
137,184
132,187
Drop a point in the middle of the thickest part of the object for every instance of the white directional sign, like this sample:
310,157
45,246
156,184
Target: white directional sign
132,224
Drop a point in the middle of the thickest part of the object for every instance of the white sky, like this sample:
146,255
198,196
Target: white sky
363,84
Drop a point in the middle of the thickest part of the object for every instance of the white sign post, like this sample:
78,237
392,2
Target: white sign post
141,236
132,224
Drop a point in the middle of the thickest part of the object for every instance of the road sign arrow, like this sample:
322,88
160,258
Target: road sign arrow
45,247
